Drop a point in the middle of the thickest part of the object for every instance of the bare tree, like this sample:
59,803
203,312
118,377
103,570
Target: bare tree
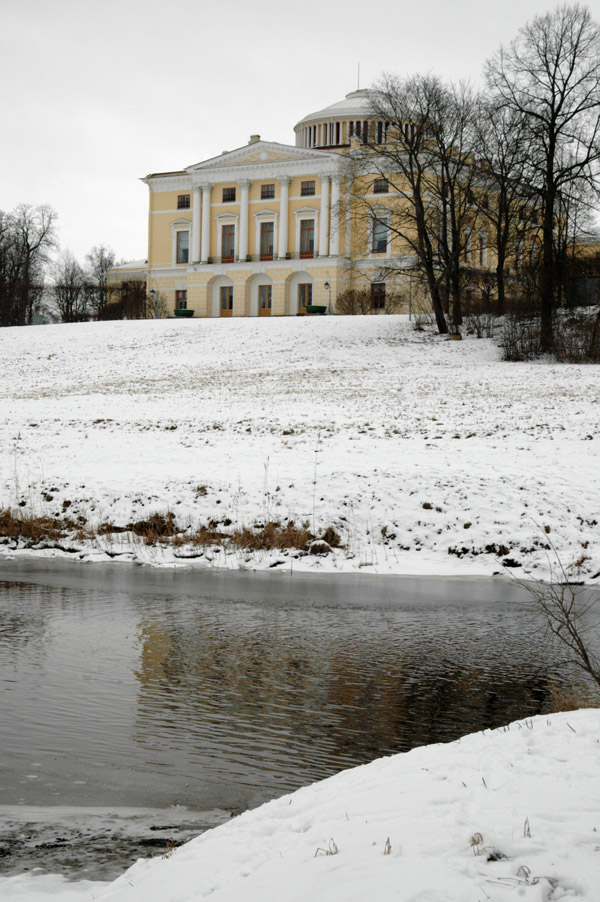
570,612
69,289
550,76
427,158
99,260
27,235
504,198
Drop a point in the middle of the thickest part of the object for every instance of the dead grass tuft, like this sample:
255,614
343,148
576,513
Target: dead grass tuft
272,535
36,529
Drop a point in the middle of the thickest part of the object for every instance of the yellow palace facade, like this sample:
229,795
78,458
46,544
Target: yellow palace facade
266,230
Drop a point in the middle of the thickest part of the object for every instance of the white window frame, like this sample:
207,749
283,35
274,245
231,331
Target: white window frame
228,219
180,225
307,213
266,216
384,216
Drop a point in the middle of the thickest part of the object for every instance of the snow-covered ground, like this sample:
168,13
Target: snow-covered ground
426,455
507,814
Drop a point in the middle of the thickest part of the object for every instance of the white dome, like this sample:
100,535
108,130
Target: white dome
357,104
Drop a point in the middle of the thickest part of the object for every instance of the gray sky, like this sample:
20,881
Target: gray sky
95,95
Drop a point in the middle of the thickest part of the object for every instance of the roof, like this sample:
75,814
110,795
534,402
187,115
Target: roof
356,103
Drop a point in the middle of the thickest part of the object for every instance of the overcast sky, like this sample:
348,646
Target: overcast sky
95,95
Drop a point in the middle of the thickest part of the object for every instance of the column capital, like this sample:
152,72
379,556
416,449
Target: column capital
205,186
245,183
284,179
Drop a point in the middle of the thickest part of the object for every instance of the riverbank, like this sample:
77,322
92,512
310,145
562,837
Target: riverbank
338,444
497,814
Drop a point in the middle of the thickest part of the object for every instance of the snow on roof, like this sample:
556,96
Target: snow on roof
356,103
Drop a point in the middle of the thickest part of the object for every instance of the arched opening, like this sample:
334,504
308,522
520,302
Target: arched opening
261,295
222,296
298,293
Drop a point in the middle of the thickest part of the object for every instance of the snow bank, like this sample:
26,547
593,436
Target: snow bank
427,456
510,813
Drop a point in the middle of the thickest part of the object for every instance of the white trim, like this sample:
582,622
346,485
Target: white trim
307,213
180,225
266,216
227,219
383,215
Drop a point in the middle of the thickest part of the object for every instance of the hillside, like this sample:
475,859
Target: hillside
411,453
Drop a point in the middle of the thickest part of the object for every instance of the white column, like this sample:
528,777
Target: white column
324,221
283,217
206,189
334,243
243,242
196,226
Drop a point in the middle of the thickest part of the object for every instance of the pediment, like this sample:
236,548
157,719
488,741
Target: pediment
260,152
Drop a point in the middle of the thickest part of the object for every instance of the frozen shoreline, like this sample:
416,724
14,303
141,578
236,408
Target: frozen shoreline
504,813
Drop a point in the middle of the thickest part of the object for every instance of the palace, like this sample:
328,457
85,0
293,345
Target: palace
266,230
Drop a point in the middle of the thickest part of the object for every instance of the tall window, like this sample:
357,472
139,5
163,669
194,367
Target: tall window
307,189
380,236
380,186
183,201
181,300
483,248
265,295
307,238
266,241
228,195
378,295
228,243
226,297
468,250
267,192
304,295
183,247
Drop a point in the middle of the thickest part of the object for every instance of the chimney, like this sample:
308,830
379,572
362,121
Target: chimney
254,139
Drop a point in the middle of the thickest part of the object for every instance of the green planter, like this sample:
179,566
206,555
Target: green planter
316,309
187,313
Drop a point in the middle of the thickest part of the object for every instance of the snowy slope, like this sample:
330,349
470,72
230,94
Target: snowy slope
427,456
508,814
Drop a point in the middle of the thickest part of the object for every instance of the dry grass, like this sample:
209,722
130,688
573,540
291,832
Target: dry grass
34,530
569,698
163,529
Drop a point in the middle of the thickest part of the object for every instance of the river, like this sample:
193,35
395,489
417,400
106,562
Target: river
149,704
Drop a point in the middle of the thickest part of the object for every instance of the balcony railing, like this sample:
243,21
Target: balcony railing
261,258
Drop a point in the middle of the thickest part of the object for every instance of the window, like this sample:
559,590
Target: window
183,247
228,243
307,237
483,248
227,297
265,294
468,250
228,195
380,134
183,201
266,241
380,186
378,295
267,192
307,189
380,236
304,295
181,300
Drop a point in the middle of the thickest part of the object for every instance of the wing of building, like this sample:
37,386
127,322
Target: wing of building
268,229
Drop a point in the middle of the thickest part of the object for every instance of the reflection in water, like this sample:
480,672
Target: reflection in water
114,697
271,699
